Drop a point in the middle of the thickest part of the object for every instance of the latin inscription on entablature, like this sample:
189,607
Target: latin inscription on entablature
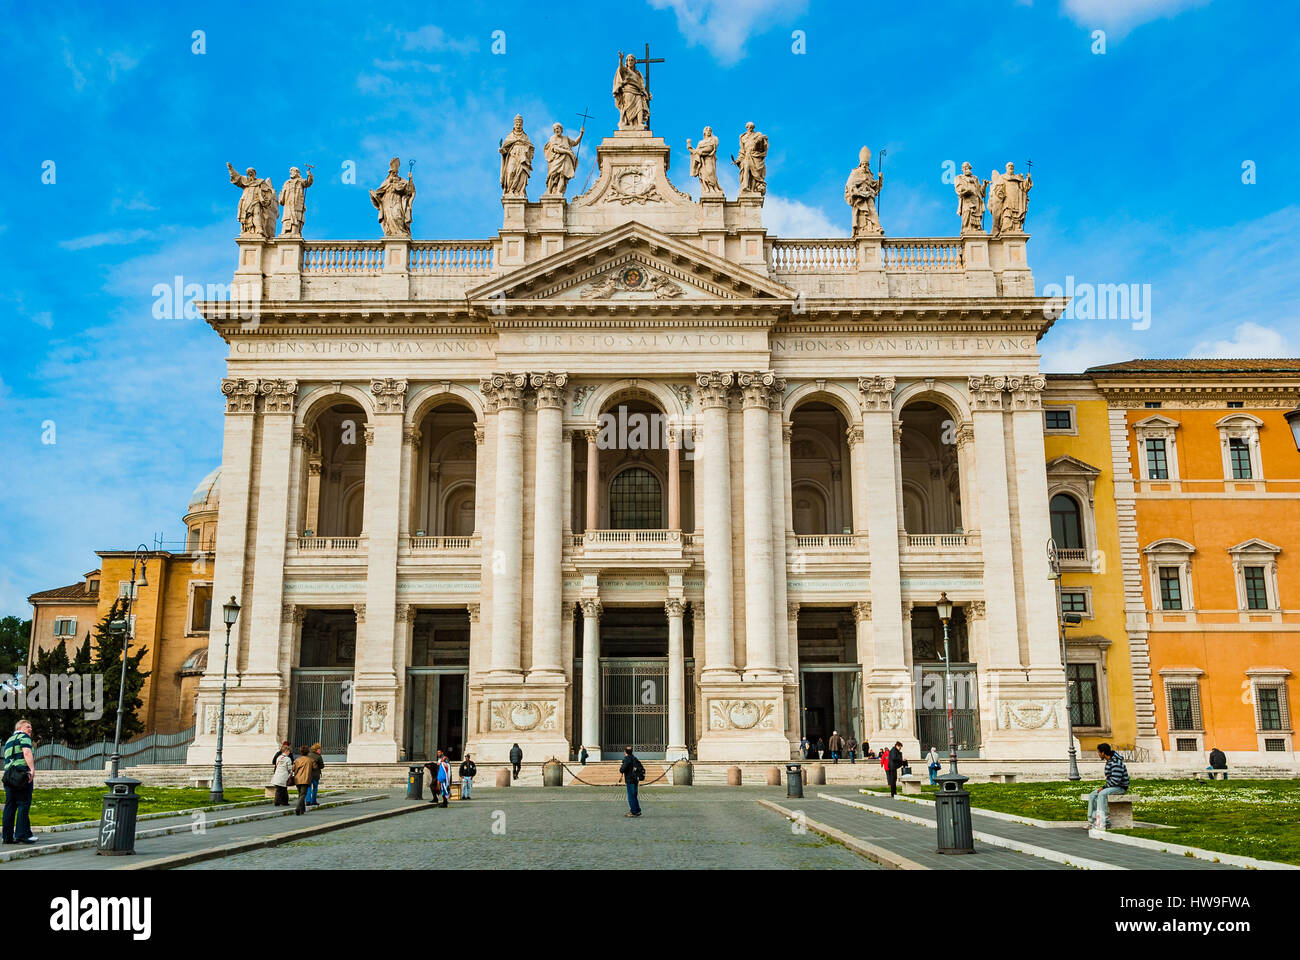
684,341
424,347
903,346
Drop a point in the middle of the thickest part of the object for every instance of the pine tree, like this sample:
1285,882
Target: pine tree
107,660
78,728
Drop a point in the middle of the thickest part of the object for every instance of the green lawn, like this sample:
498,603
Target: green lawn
1253,818
71,805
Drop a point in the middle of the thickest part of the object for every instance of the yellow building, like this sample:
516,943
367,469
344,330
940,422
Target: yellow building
1085,530
63,614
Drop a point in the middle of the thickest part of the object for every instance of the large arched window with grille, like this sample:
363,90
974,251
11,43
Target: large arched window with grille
636,501
1067,524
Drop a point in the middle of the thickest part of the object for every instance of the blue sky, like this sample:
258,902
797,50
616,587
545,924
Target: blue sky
1138,160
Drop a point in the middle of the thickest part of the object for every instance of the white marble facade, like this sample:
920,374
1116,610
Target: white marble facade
852,425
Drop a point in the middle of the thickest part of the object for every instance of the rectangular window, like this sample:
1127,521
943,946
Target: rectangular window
1082,679
1171,589
1239,456
1256,592
65,626
1074,602
1270,707
201,609
124,588
1057,419
1157,460
1152,404
1235,404
1273,745
1188,744
1182,708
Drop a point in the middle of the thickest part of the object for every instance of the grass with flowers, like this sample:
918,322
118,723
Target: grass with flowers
75,804
1253,818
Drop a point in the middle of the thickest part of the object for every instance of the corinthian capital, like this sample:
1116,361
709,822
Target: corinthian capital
1026,392
278,396
758,388
504,390
986,392
241,394
550,388
390,395
591,608
713,388
674,607
877,392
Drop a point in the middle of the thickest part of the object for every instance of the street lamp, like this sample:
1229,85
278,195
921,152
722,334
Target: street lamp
117,819
1054,565
951,803
229,613
1293,421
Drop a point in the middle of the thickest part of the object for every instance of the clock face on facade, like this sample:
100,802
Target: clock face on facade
633,278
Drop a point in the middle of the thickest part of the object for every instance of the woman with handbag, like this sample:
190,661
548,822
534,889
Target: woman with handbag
282,777
318,764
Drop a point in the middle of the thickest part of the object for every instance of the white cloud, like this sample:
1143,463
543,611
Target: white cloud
1248,340
1121,16
111,238
431,38
791,218
1076,348
724,26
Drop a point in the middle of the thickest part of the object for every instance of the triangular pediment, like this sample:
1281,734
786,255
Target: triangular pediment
1067,465
629,263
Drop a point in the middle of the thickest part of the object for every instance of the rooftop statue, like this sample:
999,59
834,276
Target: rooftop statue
561,160
1010,200
516,161
394,199
860,193
752,162
971,191
293,197
631,95
258,209
704,164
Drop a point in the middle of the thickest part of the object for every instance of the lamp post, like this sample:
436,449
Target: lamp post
1293,421
229,613
1054,565
952,802
117,819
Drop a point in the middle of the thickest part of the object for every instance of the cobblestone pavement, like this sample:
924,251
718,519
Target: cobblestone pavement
573,828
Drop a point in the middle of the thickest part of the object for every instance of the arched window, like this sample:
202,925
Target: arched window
1067,526
636,501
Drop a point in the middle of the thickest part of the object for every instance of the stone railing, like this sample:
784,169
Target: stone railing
343,257
451,257
826,541
813,256
442,543
329,544
923,254
1072,555
633,536
941,541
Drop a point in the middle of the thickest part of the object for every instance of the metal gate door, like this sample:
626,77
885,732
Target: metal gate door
321,710
932,713
634,698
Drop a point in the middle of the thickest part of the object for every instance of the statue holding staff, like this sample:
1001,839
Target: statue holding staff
516,161
394,199
1010,200
861,193
258,209
561,160
971,191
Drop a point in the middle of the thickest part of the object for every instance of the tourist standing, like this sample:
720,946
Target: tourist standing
632,773
303,768
893,763
444,777
1116,783
432,767
582,756
318,764
821,749
932,764
516,758
836,745
803,748
468,770
851,745
19,780
283,775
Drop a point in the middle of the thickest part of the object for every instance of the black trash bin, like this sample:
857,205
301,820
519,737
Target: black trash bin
952,815
793,780
117,821
415,783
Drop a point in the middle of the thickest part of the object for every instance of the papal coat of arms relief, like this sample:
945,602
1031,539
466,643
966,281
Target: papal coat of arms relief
632,279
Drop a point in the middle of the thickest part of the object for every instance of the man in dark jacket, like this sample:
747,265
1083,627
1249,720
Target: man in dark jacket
632,773
836,744
1219,761
516,758
896,762
468,770
1116,783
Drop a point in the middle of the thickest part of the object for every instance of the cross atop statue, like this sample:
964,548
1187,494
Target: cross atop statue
646,61
632,91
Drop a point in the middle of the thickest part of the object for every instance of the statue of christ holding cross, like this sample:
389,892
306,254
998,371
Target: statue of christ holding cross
632,93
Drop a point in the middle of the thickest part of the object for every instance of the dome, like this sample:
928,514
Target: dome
207,495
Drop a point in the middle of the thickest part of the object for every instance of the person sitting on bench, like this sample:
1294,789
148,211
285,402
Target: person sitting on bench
1116,782
1218,761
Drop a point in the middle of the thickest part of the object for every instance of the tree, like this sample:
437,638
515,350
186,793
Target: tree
14,637
107,660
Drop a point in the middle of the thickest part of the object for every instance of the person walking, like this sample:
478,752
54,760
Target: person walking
303,768
318,764
836,744
803,748
283,775
1116,783
932,764
893,763
432,767
820,752
276,758
468,770
444,777
19,780
851,746
516,758
632,773
582,756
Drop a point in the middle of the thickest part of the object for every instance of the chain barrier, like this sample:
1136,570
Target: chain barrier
587,783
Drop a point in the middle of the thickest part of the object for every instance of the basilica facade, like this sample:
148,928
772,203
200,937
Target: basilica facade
633,472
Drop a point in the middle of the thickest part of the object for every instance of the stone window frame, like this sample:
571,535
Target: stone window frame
1087,611
1241,426
59,621
1183,678
1073,477
1158,427
1275,678
1072,430
1170,552
1093,650
189,609
1256,553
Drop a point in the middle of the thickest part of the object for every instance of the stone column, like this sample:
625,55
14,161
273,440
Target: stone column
264,613
411,504
548,527
995,519
674,483
780,521
866,657
591,610
374,711
675,607
889,687
593,482
760,638
508,521
857,469
713,481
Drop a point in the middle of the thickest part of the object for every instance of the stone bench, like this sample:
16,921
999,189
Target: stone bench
204,781
910,784
1121,810
1211,774
1002,778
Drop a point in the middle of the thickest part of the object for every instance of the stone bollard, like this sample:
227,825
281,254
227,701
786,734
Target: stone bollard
774,776
683,774
503,778
733,776
818,776
552,773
